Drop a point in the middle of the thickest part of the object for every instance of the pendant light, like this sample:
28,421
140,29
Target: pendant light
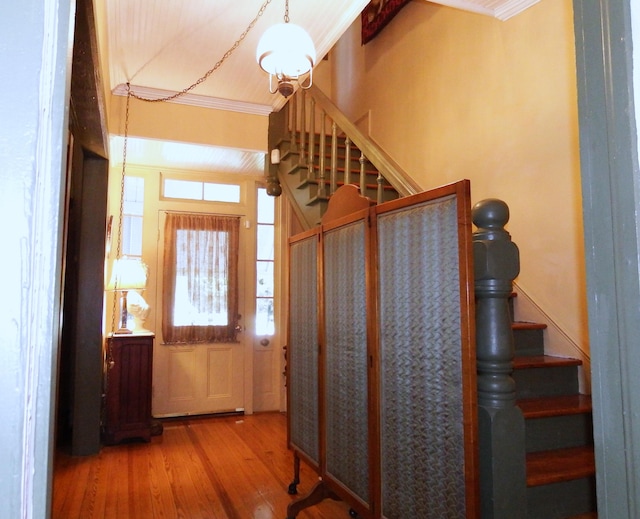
286,52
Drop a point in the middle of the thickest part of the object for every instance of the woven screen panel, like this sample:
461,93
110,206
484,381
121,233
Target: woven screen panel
346,358
302,352
422,435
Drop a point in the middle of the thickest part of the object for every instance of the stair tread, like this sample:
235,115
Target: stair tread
543,407
526,325
559,465
544,361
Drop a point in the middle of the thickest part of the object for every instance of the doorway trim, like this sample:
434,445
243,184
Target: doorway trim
611,196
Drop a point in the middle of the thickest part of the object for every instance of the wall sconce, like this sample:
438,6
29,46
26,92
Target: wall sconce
275,156
286,52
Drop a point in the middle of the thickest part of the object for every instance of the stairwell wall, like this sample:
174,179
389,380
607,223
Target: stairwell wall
451,94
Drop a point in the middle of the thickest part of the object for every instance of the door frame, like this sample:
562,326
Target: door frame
610,198
246,209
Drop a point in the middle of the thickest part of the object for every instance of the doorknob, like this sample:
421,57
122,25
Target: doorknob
264,342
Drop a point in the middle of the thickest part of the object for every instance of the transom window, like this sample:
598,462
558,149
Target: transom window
203,191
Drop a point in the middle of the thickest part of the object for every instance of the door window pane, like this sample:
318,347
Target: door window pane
266,205
265,323
264,287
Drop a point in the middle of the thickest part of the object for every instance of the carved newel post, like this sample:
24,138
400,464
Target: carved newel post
500,422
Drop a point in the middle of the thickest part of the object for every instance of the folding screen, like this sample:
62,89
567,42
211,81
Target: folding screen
427,363
302,354
345,265
396,387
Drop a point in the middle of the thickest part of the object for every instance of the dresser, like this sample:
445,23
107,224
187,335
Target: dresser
127,404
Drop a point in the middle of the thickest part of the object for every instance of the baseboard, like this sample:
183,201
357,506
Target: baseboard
556,342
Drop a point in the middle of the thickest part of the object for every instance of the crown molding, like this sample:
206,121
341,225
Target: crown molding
502,10
196,100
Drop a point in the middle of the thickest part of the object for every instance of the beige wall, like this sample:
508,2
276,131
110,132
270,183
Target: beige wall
452,95
183,123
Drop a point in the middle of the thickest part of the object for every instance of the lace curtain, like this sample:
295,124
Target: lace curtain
200,278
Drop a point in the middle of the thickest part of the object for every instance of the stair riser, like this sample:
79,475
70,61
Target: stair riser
561,500
528,343
552,381
558,432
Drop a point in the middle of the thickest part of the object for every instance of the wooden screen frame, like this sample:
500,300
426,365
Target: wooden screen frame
364,509
461,190
341,217
297,449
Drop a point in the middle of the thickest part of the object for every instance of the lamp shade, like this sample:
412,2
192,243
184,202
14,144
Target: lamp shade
286,49
128,274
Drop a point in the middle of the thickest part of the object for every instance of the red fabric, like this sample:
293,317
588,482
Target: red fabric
378,14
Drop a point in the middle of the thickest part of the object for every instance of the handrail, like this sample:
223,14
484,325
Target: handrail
391,171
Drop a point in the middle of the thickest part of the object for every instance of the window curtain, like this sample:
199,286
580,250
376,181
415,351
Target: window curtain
200,278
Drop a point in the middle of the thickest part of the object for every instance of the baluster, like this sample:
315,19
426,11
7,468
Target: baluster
363,180
294,122
289,106
334,157
312,140
303,124
380,190
500,421
322,188
347,161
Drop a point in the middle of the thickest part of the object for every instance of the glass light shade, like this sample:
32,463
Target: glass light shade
286,49
128,274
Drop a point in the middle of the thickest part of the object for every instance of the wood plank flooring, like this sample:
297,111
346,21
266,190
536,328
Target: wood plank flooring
234,467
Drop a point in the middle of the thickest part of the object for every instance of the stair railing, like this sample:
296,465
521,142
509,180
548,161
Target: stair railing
501,433
309,111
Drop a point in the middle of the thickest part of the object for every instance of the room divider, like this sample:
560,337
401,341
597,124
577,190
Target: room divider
381,371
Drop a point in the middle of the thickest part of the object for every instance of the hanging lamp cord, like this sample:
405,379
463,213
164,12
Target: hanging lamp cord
219,63
131,93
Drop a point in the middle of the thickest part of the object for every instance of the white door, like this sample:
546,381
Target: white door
201,378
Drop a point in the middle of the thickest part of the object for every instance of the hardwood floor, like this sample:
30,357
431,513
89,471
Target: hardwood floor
215,468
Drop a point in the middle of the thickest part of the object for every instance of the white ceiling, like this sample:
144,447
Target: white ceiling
163,46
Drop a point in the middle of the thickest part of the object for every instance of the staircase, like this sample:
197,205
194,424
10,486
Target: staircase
320,150
558,430
313,176
560,467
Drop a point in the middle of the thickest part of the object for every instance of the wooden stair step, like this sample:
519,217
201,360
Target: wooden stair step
339,183
544,361
526,325
544,407
559,465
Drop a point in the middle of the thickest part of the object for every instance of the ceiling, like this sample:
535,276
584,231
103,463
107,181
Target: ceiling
165,46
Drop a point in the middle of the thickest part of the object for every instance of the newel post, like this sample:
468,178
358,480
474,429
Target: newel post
500,422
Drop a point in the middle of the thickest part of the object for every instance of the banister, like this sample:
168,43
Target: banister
391,171
501,433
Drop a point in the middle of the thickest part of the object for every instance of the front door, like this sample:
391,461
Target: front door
199,378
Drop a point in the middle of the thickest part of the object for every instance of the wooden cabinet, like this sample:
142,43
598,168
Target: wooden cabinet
127,412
